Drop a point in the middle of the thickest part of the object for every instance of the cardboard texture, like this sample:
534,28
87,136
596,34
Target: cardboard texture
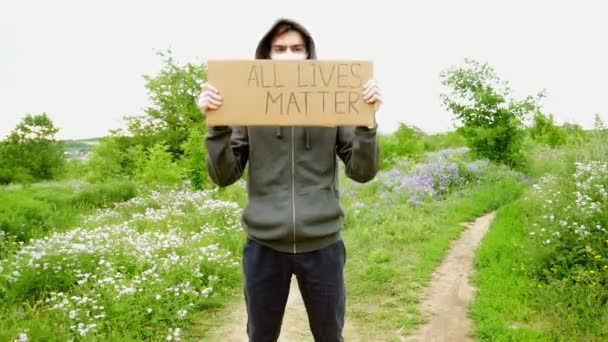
290,93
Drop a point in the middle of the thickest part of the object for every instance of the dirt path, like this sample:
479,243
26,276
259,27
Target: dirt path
295,323
448,297
446,300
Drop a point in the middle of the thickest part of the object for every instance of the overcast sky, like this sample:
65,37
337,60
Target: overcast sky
82,61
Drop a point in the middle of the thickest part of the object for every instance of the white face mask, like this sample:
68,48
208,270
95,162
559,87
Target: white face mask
288,55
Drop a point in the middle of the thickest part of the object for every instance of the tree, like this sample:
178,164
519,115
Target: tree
31,152
492,121
33,128
173,93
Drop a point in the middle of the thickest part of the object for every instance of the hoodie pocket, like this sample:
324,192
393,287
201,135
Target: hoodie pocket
318,214
265,217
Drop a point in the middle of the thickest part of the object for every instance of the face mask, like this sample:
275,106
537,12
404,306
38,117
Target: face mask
288,56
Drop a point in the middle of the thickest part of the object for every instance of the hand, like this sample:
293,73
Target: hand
371,94
209,98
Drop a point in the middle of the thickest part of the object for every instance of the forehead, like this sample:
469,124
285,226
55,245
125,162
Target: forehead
289,38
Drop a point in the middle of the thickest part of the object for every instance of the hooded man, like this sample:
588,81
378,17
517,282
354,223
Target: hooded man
293,217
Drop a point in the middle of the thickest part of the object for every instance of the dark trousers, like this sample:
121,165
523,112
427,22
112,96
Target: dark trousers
267,277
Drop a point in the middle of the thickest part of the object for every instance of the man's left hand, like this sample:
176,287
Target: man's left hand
371,94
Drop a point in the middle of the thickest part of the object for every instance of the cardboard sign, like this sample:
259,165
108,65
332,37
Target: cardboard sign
290,93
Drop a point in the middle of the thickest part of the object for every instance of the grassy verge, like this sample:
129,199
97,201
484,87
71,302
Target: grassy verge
542,270
393,248
34,211
143,269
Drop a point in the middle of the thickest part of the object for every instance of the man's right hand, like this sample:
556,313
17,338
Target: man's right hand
209,98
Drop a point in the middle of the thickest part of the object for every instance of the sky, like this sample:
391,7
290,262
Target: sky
82,62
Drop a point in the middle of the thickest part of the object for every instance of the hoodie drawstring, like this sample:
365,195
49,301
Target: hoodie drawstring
279,132
307,138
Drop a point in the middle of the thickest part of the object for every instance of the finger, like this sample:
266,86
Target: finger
369,83
212,88
212,107
368,92
215,102
376,98
214,96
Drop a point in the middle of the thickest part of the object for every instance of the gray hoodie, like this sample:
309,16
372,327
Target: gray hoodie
292,178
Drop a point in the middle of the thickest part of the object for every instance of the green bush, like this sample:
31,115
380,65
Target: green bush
572,229
544,131
492,121
105,162
194,159
405,142
30,152
159,168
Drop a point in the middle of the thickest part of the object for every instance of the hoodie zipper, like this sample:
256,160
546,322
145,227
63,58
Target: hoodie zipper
293,188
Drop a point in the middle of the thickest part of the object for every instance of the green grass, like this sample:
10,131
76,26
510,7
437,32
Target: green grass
148,264
516,300
34,211
511,305
393,249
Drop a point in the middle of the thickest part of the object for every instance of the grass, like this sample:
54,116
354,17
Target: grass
37,210
393,249
157,243
516,301
140,269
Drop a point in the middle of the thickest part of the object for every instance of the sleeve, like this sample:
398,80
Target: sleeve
358,148
227,153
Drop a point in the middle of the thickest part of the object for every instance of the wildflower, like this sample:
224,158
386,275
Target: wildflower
22,338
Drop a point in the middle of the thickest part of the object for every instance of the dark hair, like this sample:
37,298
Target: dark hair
282,26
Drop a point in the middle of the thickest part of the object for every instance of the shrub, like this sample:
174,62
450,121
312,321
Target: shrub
405,142
105,162
544,131
159,168
574,228
491,119
194,159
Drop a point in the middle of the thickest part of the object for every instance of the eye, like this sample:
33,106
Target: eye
297,48
279,48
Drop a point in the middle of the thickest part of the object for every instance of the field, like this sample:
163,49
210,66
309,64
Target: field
497,231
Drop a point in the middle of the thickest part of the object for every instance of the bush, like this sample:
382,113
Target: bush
194,159
30,152
574,228
544,131
173,92
492,120
405,142
159,168
105,162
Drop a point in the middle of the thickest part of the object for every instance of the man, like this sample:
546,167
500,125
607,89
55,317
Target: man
293,217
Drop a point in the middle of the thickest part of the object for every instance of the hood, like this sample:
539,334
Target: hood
263,48
262,51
